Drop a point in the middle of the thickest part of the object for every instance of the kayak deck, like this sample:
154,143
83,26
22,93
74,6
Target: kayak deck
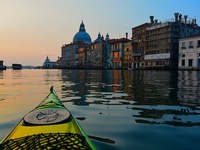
21,130
48,126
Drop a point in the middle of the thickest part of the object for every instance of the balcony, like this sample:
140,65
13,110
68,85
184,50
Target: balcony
116,59
137,54
190,46
183,47
116,50
198,46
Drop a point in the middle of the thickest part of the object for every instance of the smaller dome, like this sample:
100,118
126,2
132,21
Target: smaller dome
99,38
107,37
47,60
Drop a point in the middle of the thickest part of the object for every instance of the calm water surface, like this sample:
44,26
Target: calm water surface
137,109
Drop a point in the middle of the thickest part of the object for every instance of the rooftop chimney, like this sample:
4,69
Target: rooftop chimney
176,16
192,21
126,35
180,18
151,19
156,21
185,17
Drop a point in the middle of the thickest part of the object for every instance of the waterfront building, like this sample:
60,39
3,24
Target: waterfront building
109,53
117,51
127,56
69,52
81,57
154,45
138,41
49,64
82,53
161,47
96,54
189,52
69,55
59,62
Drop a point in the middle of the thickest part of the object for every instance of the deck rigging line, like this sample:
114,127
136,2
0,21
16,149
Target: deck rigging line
47,141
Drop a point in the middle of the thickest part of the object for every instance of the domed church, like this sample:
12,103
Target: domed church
79,52
82,35
100,37
48,64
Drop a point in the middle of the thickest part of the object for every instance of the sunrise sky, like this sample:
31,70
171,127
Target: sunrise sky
30,30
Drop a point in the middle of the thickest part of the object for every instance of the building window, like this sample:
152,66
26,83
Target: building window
183,45
190,62
183,62
183,55
198,43
191,44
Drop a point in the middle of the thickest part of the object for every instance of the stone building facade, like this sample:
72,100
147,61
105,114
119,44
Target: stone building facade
138,40
127,57
154,45
117,52
161,48
189,52
49,64
70,52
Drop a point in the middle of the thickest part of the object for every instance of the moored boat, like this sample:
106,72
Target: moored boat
49,126
2,67
132,68
16,66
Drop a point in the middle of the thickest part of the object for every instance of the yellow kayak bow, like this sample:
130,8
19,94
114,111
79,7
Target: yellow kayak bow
49,126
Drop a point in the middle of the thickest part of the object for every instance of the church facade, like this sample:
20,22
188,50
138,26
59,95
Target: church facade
83,53
49,64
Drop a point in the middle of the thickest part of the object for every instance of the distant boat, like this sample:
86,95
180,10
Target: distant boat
16,66
132,68
2,67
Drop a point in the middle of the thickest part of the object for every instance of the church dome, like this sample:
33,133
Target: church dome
99,38
47,60
107,37
82,35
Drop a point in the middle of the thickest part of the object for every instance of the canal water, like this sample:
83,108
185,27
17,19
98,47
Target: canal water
123,109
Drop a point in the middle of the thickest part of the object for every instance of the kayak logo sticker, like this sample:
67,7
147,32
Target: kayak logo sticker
48,116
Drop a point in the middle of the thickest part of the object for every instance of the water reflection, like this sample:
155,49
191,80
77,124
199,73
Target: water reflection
17,74
170,92
92,87
142,87
129,107
1,74
189,88
175,116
